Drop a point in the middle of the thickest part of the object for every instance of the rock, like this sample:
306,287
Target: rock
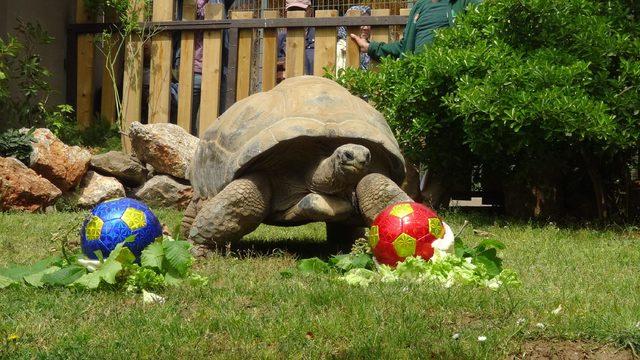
151,172
96,188
61,164
123,167
164,191
167,147
23,189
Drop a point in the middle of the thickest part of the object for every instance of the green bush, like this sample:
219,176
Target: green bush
17,144
528,89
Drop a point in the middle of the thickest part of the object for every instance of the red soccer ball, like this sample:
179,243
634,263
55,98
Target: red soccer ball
404,229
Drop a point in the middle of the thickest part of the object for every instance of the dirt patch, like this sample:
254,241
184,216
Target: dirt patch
570,350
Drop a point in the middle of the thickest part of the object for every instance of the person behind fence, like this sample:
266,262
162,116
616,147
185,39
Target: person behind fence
365,33
425,17
309,40
197,62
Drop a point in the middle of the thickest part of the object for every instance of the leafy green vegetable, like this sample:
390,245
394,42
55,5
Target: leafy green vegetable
177,255
165,263
313,266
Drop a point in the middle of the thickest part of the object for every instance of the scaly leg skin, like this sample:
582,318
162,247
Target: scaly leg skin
316,207
234,212
375,192
187,219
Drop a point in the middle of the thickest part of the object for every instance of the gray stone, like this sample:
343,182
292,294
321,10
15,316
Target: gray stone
96,188
123,167
167,147
165,191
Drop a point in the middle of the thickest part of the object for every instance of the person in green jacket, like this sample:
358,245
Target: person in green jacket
425,17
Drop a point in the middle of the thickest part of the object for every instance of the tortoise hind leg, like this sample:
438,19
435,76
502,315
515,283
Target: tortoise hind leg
187,219
234,212
375,192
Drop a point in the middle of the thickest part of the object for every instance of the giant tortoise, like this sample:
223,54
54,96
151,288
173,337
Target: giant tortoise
303,152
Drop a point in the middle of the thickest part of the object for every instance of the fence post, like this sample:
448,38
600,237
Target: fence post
110,80
403,12
325,45
353,51
245,37
380,33
295,48
159,95
132,80
84,62
269,53
211,63
185,78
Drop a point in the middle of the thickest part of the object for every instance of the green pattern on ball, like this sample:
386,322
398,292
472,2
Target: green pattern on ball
405,245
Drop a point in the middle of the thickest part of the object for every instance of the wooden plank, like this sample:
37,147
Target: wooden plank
380,33
185,85
294,63
211,69
353,51
111,74
325,45
269,53
403,12
84,79
132,83
245,38
159,87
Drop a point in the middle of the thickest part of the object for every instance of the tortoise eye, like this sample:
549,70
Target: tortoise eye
348,155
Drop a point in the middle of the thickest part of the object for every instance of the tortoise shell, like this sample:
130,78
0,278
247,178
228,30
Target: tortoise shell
305,107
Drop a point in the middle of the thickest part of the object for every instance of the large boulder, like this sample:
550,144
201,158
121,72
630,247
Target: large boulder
61,164
96,188
167,147
23,189
164,191
123,167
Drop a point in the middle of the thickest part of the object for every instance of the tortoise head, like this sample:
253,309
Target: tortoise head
351,161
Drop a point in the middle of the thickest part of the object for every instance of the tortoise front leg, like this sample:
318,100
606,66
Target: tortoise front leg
234,212
375,192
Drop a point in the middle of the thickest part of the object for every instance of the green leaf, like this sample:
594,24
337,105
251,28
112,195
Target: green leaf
489,259
178,256
490,243
172,279
36,278
459,248
64,276
125,257
18,272
130,239
5,282
152,256
88,281
347,262
313,265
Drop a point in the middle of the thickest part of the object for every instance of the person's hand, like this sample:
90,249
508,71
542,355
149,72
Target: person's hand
362,43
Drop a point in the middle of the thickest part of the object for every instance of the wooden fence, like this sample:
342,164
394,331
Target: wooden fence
244,29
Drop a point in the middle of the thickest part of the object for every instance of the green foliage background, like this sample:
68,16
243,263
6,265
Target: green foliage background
524,88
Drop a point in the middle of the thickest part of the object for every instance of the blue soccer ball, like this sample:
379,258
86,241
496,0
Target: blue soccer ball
113,221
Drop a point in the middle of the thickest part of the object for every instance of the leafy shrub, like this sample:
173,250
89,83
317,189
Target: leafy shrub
17,144
24,89
528,89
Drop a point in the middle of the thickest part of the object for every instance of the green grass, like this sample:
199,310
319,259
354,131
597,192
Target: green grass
249,310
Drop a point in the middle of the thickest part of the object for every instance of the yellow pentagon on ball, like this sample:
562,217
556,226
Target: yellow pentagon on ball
401,210
134,218
436,228
94,228
405,245
374,236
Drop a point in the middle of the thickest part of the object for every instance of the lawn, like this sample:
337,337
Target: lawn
250,310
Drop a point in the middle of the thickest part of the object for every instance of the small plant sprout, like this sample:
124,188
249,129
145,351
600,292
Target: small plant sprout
482,338
557,310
